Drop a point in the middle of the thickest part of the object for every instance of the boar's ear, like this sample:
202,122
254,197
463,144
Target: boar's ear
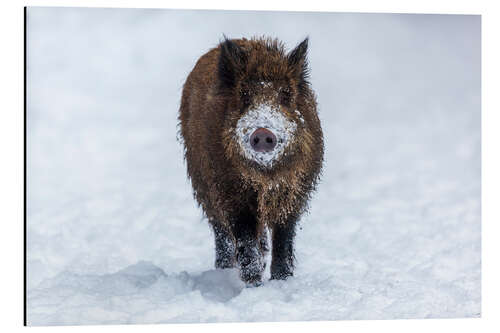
297,60
232,60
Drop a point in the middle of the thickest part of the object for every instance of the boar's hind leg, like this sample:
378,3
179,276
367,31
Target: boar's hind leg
282,262
248,250
224,246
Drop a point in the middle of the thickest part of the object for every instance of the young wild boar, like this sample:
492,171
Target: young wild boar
253,148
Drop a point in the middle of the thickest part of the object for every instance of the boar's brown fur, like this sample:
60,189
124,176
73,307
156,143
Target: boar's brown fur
240,197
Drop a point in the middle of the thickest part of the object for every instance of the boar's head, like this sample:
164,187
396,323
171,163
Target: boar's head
270,110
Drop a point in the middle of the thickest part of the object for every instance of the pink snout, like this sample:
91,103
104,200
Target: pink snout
263,140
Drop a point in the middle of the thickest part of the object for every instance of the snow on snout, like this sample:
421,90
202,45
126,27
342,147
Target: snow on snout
268,117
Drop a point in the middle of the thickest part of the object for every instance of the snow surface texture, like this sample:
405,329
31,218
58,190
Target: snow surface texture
264,116
114,235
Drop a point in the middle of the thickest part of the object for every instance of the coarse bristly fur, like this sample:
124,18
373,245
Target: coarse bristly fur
243,196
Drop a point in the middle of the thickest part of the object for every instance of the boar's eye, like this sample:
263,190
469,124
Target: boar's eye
245,98
285,97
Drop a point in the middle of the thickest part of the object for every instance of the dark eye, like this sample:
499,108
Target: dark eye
285,97
245,98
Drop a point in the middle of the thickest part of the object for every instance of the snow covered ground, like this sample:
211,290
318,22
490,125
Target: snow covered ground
114,235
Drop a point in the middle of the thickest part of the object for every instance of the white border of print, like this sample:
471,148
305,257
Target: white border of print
11,170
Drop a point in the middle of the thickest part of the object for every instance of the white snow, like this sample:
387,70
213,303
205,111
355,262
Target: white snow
264,116
114,235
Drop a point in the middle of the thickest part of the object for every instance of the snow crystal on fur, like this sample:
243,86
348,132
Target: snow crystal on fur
264,116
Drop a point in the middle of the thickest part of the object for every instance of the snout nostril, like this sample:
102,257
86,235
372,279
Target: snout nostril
269,140
256,140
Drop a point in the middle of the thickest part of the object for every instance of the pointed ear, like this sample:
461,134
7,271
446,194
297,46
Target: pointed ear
297,60
298,55
232,61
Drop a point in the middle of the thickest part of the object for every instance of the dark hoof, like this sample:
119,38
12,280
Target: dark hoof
251,276
281,274
253,284
251,265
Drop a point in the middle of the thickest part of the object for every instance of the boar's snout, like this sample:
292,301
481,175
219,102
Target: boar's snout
263,140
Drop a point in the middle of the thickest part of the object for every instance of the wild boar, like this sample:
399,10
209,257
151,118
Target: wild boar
253,147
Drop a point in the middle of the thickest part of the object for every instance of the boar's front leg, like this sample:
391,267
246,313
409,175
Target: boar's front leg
282,263
248,249
224,246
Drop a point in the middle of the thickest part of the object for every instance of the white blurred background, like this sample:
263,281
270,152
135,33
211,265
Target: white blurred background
114,235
